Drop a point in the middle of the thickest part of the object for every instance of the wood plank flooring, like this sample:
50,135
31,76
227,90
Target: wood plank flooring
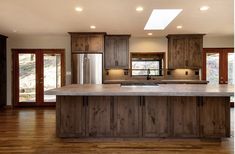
33,131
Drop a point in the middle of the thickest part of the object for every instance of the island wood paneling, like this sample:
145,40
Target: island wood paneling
184,116
72,116
155,117
214,117
127,116
99,116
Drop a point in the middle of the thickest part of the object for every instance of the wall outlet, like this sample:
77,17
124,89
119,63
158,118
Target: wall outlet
186,72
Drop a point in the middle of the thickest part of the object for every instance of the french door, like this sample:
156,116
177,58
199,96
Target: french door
34,72
218,66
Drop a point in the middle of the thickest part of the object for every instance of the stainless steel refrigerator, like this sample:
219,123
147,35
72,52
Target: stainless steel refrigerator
89,68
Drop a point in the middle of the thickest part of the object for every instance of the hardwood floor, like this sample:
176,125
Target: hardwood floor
33,131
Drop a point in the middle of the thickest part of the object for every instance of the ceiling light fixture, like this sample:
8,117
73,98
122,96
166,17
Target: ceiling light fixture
179,27
92,27
150,34
160,18
78,9
204,8
139,9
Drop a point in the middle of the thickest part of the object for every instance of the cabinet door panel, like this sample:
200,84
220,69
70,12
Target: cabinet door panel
155,117
122,52
185,116
110,53
194,52
215,117
72,117
96,43
99,116
79,43
127,116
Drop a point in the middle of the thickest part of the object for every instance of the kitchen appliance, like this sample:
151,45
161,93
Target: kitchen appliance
89,68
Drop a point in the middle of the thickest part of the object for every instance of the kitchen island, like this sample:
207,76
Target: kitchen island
174,111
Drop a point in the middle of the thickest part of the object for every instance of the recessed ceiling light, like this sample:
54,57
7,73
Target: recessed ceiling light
92,27
14,31
150,34
179,27
204,8
160,18
78,9
139,9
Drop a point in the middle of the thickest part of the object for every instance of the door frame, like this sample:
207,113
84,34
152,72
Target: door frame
39,64
223,52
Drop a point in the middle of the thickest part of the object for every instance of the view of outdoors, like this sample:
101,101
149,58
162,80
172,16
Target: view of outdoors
212,68
52,74
230,71
27,78
141,67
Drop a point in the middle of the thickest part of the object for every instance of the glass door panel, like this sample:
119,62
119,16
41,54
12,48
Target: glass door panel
230,71
212,68
27,77
52,74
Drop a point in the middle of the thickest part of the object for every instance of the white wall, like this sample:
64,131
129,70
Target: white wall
144,44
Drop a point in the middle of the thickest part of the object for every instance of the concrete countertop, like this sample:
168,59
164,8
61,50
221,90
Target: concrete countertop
158,81
161,90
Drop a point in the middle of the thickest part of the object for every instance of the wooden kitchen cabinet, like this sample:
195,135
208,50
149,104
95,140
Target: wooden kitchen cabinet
87,42
127,116
215,117
156,118
116,51
3,70
184,116
99,116
185,51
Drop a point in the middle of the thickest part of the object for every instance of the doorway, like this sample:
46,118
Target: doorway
218,66
34,72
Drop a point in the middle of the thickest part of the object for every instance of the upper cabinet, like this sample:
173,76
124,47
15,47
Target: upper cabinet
185,51
116,51
87,42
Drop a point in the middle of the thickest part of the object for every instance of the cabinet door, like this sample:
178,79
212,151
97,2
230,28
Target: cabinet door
122,52
215,117
127,116
176,54
185,116
110,53
96,43
194,52
99,116
79,43
70,116
155,117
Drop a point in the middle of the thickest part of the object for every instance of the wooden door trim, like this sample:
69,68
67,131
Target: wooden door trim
39,63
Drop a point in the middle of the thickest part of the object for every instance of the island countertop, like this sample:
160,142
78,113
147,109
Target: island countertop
161,90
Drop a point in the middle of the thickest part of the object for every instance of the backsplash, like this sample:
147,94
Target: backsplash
183,74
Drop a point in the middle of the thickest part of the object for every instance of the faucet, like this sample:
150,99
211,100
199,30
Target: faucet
148,74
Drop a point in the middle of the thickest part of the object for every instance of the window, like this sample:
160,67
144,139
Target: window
147,64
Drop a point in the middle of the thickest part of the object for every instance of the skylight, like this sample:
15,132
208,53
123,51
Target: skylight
160,18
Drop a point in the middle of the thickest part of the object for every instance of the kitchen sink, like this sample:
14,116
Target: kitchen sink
139,84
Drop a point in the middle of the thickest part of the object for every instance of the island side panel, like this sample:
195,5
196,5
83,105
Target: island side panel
156,117
215,117
71,118
184,116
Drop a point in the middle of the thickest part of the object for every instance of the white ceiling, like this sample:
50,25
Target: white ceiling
49,17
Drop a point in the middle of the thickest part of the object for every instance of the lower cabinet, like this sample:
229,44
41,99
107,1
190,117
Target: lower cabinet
155,117
184,116
138,116
127,116
215,117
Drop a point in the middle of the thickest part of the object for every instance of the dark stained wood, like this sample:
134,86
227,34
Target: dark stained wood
99,116
72,117
214,117
127,116
185,51
184,116
3,70
32,130
116,53
155,117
